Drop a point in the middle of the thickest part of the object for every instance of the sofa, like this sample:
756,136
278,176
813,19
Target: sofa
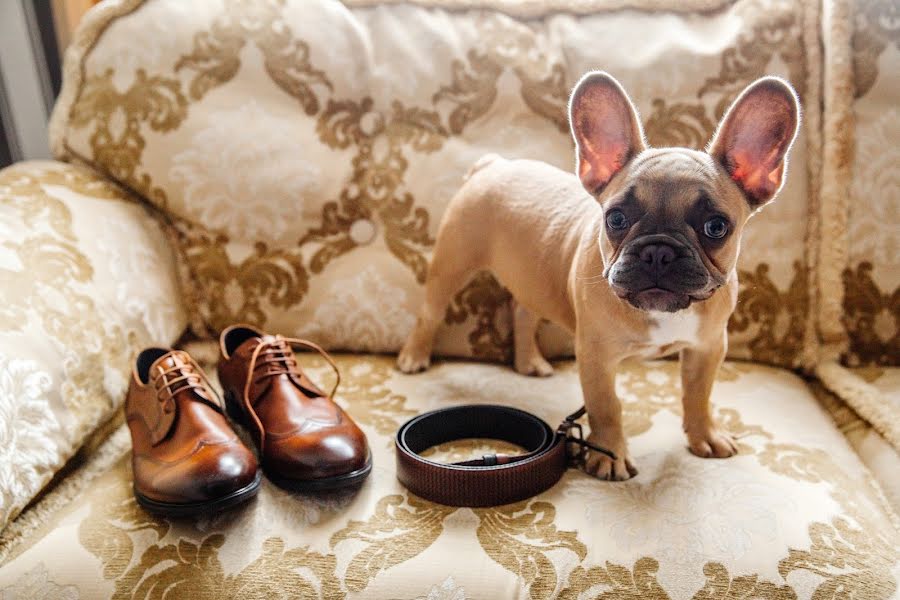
286,163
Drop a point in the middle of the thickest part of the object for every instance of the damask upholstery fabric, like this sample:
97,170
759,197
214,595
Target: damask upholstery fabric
795,515
873,449
859,268
304,150
86,277
886,458
299,154
871,305
858,273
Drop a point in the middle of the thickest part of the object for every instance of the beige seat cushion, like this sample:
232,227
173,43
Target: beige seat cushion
794,515
876,452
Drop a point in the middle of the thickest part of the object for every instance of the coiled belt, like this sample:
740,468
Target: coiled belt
495,478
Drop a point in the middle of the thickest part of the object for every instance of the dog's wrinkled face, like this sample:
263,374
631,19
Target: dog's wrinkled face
673,217
671,230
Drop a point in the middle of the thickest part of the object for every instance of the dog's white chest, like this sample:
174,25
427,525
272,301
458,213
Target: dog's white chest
671,331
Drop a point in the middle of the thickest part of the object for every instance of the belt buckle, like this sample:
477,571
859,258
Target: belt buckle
576,451
578,458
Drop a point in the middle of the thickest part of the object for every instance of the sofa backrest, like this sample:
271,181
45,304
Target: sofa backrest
864,192
303,151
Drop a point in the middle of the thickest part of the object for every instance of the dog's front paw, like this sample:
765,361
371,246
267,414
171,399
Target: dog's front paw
711,442
603,467
410,362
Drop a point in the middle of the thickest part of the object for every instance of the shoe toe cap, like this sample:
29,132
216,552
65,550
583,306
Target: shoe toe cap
230,471
213,472
317,457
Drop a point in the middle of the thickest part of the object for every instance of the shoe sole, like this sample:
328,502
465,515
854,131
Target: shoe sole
345,480
171,509
338,482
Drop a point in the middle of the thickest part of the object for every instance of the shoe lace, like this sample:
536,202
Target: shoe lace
276,357
177,377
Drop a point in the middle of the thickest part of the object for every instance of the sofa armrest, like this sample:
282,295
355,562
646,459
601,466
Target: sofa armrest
86,278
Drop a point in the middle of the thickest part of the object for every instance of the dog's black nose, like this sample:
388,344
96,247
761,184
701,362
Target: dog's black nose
657,256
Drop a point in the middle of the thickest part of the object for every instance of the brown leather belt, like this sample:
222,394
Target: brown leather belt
495,478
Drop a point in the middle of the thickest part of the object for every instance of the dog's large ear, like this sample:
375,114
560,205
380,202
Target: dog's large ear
755,136
606,129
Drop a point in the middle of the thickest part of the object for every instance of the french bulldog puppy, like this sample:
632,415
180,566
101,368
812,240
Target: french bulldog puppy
635,256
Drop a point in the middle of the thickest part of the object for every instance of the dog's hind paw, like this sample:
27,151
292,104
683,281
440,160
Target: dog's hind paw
537,366
409,363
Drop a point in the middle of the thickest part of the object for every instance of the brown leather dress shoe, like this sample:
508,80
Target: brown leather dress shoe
305,441
186,459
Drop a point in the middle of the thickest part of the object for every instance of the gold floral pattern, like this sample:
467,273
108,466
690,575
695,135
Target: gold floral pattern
375,185
366,391
153,100
468,449
679,124
777,36
875,29
871,302
411,528
107,533
690,124
872,318
473,90
720,585
548,97
194,568
616,581
364,312
777,317
215,58
847,556
488,301
236,293
518,536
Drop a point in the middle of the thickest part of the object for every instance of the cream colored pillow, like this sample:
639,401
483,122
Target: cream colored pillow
871,277
304,151
86,278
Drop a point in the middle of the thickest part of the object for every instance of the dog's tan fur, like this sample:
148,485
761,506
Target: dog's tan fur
546,240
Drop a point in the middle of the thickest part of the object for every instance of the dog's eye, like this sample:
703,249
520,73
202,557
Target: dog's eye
716,228
616,219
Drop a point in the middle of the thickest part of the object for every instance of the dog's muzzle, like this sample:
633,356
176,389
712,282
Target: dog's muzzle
660,272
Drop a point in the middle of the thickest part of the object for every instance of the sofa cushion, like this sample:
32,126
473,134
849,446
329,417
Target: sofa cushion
872,274
875,450
870,442
794,515
859,277
305,149
86,278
